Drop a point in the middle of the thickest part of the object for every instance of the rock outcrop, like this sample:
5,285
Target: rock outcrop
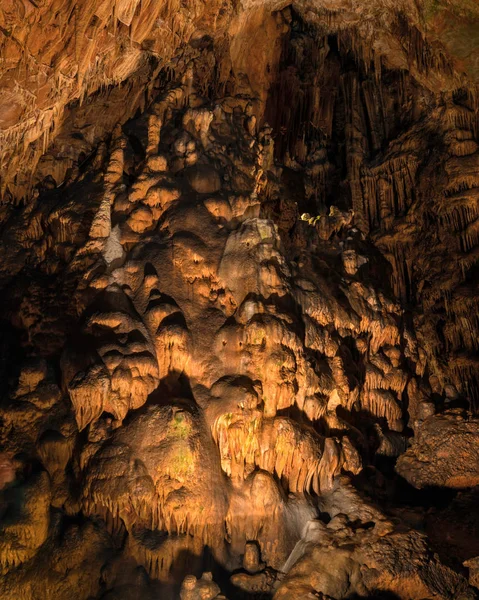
444,452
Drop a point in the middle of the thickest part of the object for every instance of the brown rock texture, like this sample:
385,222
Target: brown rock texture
444,453
239,308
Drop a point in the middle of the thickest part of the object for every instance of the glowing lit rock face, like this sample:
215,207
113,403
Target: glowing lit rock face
196,377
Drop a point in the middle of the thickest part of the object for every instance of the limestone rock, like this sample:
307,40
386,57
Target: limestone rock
193,376
445,452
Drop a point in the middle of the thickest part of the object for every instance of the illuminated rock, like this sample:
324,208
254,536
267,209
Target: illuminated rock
238,275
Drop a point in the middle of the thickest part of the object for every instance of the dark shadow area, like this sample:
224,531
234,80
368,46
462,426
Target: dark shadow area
188,563
376,595
173,389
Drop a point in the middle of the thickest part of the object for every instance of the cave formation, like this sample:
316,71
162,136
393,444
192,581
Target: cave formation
239,299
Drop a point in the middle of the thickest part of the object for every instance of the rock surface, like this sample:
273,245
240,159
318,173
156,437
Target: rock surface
444,453
238,273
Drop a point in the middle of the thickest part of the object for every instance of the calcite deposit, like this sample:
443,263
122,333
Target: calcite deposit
239,299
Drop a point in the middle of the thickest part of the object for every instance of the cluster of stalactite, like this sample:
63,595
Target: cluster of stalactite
363,140
181,249
206,363
110,52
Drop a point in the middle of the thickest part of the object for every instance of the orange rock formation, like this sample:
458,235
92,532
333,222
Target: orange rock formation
238,263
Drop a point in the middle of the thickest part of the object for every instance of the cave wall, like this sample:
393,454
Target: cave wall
238,272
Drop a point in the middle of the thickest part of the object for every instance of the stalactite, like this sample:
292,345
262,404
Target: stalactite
227,360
